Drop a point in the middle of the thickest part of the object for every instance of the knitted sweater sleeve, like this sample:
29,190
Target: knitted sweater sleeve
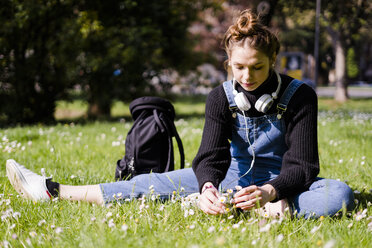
300,163
213,158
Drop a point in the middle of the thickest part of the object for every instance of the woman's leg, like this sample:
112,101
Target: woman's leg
162,185
88,193
325,197
35,187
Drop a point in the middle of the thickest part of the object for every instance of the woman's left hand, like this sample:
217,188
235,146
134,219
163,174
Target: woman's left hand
252,196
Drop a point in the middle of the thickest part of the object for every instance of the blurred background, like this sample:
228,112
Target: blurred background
101,52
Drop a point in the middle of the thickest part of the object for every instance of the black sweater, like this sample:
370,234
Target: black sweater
300,163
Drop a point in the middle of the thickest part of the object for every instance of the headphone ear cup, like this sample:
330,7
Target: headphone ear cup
264,103
242,102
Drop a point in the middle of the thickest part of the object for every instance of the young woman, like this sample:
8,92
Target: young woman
260,135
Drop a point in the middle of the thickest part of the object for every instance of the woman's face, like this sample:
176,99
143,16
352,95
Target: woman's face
250,67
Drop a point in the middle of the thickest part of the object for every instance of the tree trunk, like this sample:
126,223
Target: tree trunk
340,68
98,110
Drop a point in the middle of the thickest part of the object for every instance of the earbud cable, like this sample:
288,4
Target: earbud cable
253,154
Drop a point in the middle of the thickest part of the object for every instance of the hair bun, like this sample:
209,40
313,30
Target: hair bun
247,30
247,23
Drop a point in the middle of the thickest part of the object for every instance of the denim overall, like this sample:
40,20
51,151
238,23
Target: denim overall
266,136
266,141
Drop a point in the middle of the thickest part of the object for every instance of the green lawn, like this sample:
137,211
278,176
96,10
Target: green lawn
86,154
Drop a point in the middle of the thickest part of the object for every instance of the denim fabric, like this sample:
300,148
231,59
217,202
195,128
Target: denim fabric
266,136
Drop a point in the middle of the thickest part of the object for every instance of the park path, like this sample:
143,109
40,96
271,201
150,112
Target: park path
354,92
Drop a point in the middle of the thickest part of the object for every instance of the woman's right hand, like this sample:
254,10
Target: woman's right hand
209,200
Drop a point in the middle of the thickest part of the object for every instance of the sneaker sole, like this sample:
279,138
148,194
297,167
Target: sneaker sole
17,179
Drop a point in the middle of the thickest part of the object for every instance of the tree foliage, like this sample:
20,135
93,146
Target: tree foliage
110,48
342,22
33,58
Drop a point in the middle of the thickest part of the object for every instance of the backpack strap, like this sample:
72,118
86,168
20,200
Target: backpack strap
165,123
180,146
174,133
170,145
286,97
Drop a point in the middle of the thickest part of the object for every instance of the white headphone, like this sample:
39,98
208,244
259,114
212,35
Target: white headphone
263,104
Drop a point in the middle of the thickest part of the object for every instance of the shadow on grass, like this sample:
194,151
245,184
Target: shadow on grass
363,199
123,118
187,107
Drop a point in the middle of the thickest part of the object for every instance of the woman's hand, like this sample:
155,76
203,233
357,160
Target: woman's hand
252,196
209,200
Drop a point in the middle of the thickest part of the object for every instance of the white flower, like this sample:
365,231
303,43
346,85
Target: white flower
192,226
124,227
222,199
279,238
211,229
115,143
33,234
108,215
111,223
59,230
235,226
6,244
4,217
41,222
191,212
316,228
361,215
370,226
266,228
16,215
330,244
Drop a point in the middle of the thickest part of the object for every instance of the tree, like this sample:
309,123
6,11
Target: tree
34,43
344,19
125,43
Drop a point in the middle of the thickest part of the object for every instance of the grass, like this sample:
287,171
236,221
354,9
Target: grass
86,154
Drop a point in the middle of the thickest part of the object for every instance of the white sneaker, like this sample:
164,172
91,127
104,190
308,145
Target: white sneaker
27,183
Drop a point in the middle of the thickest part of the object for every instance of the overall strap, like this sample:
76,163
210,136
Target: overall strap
228,87
286,97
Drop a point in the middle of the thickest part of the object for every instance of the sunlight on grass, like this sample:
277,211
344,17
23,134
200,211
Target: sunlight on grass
78,154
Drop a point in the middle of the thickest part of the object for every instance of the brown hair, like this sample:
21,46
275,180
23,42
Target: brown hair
247,30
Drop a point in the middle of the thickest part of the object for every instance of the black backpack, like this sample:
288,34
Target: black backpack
149,145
